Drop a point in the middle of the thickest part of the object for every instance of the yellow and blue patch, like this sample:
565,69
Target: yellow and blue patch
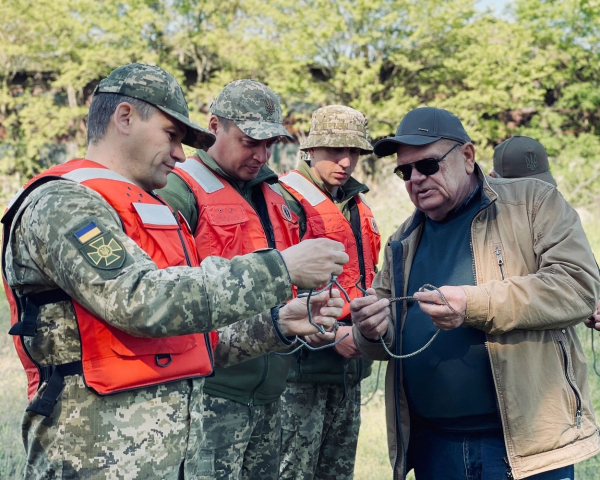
88,232
99,247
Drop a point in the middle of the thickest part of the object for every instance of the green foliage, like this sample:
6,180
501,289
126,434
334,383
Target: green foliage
535,72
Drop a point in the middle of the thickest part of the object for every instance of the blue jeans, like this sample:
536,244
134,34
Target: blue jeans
438,455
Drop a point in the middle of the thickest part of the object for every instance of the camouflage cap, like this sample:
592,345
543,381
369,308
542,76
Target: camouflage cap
253,107
338,126
157,87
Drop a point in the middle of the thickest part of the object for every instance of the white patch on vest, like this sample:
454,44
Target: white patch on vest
84,174
152,214
275,188
202,174
15,198
310,192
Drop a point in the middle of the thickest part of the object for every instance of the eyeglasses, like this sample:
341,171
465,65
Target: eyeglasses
426,166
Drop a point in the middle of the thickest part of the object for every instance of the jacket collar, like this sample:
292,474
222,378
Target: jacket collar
265,174
350,189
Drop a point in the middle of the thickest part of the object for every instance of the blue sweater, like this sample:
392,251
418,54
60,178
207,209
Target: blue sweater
449,385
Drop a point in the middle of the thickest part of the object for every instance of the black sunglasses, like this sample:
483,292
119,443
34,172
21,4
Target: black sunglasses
427,166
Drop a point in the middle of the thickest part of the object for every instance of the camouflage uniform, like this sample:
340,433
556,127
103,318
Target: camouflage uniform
242,418
321,405
319,431
149,432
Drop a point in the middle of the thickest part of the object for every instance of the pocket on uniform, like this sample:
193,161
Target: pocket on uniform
322,225
222,226
206,464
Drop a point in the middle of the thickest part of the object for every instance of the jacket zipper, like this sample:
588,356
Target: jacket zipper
263,377
400,447
183,245
357,230
189,264
500,261
575,392
509,474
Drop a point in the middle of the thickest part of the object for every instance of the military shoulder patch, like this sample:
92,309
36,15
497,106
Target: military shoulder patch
100,248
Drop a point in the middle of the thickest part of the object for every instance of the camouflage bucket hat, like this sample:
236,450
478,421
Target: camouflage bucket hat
253,107
155,86
338,126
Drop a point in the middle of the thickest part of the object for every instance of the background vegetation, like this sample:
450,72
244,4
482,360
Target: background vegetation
534,71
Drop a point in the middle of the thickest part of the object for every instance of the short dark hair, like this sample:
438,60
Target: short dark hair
226,122
103,107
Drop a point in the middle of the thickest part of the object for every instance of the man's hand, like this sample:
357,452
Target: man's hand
443,317
370,315
346,347
312,262
293,317
593,321
321,339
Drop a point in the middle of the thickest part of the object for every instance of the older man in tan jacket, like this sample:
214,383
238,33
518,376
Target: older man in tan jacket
506,395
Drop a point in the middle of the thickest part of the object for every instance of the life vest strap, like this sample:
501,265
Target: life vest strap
30,308
55,376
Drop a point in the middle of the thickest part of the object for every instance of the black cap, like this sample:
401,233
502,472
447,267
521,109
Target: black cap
423,126
520,157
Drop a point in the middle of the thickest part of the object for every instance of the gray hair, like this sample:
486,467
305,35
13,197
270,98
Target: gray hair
103,107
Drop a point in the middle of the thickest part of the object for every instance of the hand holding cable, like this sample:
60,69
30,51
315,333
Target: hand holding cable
372,316
301,317
326,340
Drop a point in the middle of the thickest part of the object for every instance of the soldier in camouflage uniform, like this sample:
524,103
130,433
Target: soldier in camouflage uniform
321,405
149,432
242,403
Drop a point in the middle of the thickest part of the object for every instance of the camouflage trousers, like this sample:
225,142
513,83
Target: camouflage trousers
240,442
319,431
140,434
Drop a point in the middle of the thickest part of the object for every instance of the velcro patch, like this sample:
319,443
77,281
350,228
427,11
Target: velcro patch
104,251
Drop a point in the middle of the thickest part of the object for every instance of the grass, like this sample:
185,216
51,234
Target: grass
391,206
13,385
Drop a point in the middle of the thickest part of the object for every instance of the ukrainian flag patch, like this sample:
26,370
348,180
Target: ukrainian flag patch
88,232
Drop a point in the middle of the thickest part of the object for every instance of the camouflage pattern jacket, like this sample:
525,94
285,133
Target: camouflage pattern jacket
147,432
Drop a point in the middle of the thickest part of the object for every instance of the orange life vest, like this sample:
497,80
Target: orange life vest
325,220
227,224
111,360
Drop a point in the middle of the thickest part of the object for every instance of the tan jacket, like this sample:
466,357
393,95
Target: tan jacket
528,304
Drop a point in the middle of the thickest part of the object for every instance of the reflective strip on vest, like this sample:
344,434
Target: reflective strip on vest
304,187
202,174
275,188
152,214
15,198
85,174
